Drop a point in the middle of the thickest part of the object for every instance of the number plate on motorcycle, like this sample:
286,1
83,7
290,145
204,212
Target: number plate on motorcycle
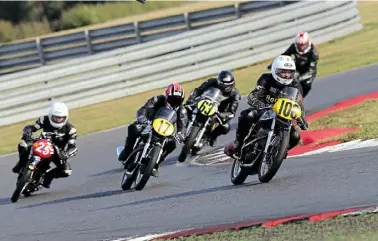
287,109
207,107
163,127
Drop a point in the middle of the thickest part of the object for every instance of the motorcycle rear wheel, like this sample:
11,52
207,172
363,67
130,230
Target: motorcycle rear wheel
238,176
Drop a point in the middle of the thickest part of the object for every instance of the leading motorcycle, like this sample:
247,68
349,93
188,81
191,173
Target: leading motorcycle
266,143
148,149
31,176
204,119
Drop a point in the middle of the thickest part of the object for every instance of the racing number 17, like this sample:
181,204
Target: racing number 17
162,123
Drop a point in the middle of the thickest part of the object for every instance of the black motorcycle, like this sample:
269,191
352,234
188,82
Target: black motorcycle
204,119
148,149
266,144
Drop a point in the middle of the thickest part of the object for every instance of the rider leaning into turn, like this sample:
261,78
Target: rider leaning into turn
55,122
173,97
306,60
225,81
265,93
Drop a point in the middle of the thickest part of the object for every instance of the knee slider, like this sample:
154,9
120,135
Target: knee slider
225,128
67,173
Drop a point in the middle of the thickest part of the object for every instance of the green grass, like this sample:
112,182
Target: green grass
353,228
362,116
335,56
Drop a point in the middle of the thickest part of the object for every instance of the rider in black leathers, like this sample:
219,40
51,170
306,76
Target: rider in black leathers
55,122
225,81
265,93
174,97
306,60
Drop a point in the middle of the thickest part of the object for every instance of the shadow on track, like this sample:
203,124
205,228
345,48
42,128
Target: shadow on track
181,195
81,197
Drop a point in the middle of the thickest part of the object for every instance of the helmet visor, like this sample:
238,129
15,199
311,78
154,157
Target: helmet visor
58,119
175,101
285,73
302,46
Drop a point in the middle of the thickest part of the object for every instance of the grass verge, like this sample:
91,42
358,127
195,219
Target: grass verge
353,228
362,116
335,56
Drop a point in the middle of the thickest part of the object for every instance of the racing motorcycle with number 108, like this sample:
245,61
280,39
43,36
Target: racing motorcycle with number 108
267,142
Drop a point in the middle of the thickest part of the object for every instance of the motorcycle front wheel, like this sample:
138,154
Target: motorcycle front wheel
142,178
189,143
21,184
128,179
268,169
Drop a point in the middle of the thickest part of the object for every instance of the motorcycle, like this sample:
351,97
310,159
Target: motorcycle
148,149
204,119
31,176
266,143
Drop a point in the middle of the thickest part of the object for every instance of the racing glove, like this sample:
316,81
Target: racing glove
142,119
27,133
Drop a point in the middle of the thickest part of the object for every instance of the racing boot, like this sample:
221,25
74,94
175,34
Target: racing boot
23,159
155,171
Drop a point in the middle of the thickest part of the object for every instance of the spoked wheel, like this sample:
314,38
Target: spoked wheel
144,172
272,162
238,174
128,179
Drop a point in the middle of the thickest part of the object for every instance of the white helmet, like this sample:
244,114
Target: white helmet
58,114
283,69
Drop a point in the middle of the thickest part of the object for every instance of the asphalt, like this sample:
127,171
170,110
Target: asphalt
90,205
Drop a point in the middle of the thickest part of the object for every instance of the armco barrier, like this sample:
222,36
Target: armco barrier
185,57
42,51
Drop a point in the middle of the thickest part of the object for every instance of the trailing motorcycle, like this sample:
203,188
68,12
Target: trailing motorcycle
148,149
31,176
204,119
266,143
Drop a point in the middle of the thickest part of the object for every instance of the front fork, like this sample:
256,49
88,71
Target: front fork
200,134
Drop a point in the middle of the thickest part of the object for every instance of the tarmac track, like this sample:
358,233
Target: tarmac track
90,205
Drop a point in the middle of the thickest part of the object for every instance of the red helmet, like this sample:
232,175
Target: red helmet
303,42
175,94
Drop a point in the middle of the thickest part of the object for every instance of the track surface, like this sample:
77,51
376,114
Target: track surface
91,206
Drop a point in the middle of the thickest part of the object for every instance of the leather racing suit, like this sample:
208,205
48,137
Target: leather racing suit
306,65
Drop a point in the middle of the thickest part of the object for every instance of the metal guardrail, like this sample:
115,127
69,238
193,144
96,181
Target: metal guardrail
185,57
39,52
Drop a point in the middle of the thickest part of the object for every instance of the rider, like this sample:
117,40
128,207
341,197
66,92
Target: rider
306,60
173,97
266,91
225,81
56,122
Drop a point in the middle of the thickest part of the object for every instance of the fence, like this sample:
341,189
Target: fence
185,57
39,52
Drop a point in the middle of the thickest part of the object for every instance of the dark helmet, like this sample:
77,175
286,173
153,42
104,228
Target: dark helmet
226,80
174,94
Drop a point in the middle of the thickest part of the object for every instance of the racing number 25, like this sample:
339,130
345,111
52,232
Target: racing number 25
286,109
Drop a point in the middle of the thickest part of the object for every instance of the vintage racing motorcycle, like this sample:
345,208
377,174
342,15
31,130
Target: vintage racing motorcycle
266,144
148,149
203,121
31,176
